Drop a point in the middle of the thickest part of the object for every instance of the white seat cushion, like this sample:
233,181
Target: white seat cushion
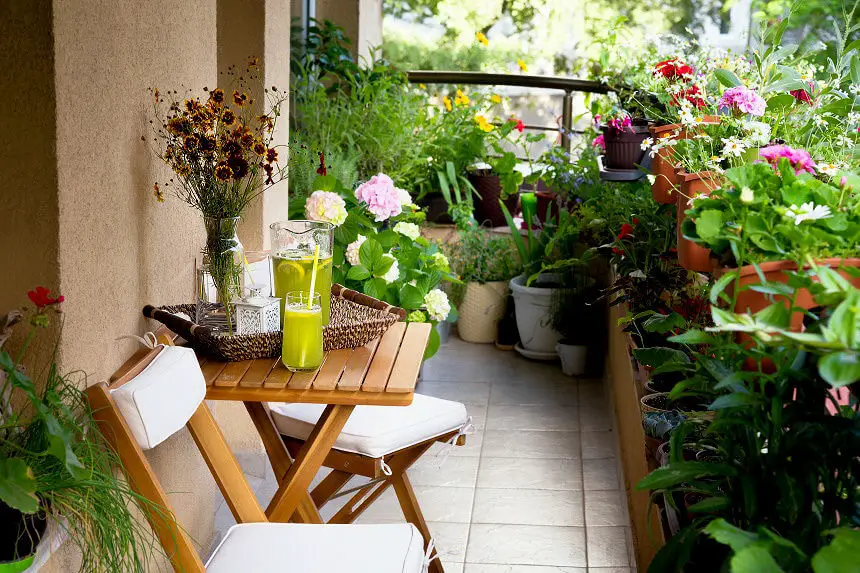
376,431
302,548
160,400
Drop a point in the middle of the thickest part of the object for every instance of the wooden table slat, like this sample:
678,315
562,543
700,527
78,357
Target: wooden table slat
330,371
279,377
258,372
211,370
377,375
404,374
303,380
232,373
356,367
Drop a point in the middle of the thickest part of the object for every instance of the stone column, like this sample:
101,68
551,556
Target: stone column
360,19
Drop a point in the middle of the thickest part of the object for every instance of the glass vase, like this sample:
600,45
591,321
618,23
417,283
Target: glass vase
220,279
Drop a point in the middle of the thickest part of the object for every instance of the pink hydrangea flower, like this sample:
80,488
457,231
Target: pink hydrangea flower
799,158
381,197
599,141
326,207
743,99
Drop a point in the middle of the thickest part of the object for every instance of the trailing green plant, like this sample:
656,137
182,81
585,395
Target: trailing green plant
481,256
57,464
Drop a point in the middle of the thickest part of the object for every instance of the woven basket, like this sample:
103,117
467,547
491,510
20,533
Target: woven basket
482,307
355,320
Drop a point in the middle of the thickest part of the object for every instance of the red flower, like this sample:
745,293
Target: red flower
673,69
520,126
635,220
617,251
692,94
803,95
41,297
321,170
626,231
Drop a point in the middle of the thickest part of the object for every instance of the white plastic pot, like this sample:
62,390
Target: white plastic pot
572,358
482,307
534,313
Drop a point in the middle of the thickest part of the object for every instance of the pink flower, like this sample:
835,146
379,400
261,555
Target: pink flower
327,207
799,159
599,141
619,123
381,197
744,100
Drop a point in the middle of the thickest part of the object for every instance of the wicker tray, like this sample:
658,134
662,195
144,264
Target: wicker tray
355,320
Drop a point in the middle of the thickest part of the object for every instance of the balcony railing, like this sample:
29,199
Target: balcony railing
568,85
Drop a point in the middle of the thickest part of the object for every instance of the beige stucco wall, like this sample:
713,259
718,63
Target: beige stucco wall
360,19
78,212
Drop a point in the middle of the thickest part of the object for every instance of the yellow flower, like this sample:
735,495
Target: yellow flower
482,38
496,98
483,124
422,86
523,66
447,101
461,99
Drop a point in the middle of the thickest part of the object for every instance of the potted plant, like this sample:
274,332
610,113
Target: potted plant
658,428
223,156
57,466
765,225
484,263
574,317
622,138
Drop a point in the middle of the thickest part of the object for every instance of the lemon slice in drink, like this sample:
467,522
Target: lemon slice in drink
292,269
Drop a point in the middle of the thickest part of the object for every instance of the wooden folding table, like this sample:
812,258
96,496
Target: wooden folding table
383,373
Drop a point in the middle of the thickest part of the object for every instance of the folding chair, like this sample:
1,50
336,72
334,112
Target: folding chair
380,443
148,404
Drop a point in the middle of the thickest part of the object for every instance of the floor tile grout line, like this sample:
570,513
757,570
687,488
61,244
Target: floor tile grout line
582,473
477,477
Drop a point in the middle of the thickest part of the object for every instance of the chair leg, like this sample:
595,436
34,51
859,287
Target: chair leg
412,511
329,486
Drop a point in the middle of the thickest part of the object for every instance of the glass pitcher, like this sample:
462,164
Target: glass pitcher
293,245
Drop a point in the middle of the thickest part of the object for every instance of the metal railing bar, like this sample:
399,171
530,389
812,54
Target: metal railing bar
516,80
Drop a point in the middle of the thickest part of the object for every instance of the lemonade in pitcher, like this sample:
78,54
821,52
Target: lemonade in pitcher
292,271
293,246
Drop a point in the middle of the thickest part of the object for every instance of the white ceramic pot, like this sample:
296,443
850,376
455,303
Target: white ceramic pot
482,307
534,313
572,358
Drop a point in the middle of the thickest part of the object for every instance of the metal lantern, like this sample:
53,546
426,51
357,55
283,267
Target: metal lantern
256,313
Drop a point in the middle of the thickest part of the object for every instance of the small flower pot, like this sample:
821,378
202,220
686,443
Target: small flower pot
533,306
624,148
657,402
482,307
573,357
692,256
651,447
487,208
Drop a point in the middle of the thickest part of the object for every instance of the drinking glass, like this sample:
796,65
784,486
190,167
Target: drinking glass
302,348
293,246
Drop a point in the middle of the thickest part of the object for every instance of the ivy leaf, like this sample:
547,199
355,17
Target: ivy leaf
17,485
358,273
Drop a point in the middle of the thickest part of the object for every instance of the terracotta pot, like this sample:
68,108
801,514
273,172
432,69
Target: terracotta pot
775,271
544,200
651,447
690,255
624,148
487,208
662,165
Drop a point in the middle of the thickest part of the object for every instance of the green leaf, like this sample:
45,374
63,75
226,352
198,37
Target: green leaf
693,336
663,323
734,400
776,314
358,273
780,102
755,559
840,368
370,253
411,297
720,285
709,224
680,472
432,344
375,288
727,534
727,78
17,485
324,183
710,505
658,355
382,266
841,555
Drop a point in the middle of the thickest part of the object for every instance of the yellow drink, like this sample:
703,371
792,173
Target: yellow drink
292,270
302,348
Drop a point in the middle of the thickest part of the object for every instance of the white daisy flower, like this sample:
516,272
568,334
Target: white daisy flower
808,212
646,143
855,89
844,140
733,146
827,168
819,121
854,117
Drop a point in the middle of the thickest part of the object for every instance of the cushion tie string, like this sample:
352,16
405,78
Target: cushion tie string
429,555
467,429
386,469
149,340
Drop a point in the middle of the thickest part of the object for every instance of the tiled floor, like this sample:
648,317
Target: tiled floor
536,489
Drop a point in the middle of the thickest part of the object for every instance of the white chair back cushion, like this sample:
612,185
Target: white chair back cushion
160,400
